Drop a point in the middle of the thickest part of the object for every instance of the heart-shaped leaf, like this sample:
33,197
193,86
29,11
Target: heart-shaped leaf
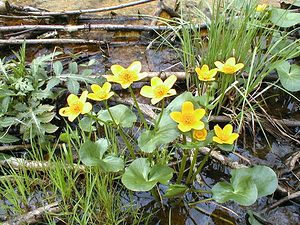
140,176
289,76
93,154
175,190
284,18
244,192
122,115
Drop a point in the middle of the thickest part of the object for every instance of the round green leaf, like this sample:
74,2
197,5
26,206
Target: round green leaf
91,153
139,176
112,164
284,18
122,115
289,76
243,192
263,177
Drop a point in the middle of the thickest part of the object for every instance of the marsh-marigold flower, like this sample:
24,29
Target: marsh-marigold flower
205,74
261,7
127,76
229,67
188,118
76,106
159,89
225,135
100,93
200,135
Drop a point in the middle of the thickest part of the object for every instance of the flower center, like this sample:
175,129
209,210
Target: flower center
102,94
160,91
127,77
228,69
76,107
224,137
188,119
200,134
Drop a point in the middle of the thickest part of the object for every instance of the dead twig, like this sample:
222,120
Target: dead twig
57,41
35,215
73,28
287,198
19,10
18,163
14,147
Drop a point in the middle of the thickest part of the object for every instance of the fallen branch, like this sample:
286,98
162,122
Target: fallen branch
286,198
35,215
78,12
18,163
57,41
72,28
14,147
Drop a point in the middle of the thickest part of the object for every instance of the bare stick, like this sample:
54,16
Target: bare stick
72,28
14,147
35,215
50,41
18,163
287,198
74,12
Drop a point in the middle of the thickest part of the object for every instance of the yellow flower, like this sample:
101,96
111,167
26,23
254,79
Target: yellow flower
261,7
159,89
100,93
76,106
200,135
188,118
126,77
225,135
229,67
205,74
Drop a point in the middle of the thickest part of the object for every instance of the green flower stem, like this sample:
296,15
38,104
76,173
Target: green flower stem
182,168
160,115
201,165
207,95
201,201
138,108
192,166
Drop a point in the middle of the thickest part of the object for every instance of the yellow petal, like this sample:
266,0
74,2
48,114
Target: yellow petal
183,127
227,130
87,107
172,92
205,68
72,117
218,140
238,66
155,81
64,111
199,125
170,81
94,97
199,113
147,92
198,70
106,87
230,61
124,85
219,65
110,94
71,99
95,88
156,100
83,96
187,107
111,78
117,69
213,72
135,67
141,76
176,116
232,138
218,130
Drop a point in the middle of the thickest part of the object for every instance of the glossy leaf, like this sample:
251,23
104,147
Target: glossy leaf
175,190
289,76
284,18
140,176
122,115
